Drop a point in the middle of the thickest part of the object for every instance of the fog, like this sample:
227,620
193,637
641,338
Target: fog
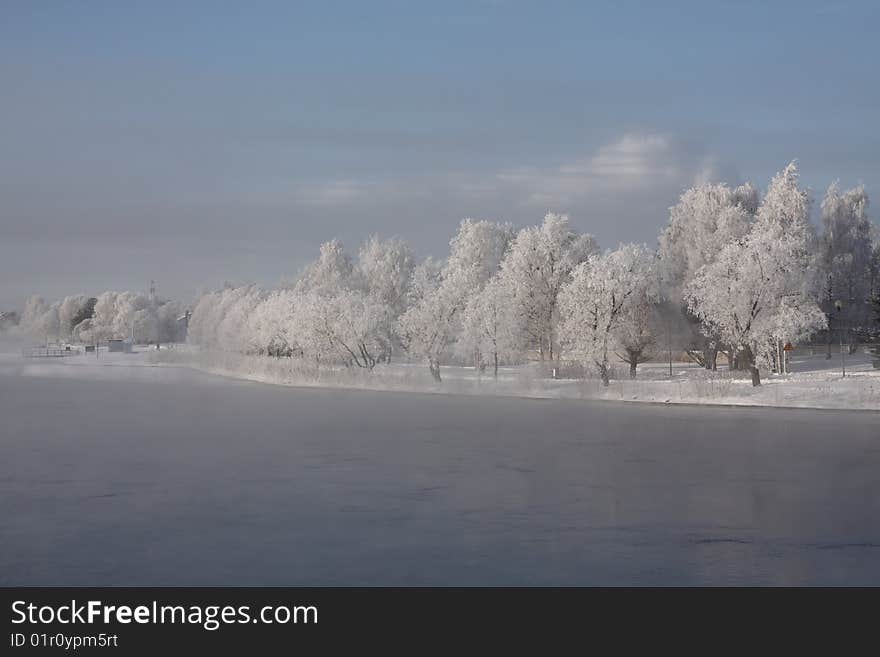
162,475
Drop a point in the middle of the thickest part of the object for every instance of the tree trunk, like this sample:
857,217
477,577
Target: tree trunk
603,373
756,375
495,357
434,366
710,357
748,360
633,357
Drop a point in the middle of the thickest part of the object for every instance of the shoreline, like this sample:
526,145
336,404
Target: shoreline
536,395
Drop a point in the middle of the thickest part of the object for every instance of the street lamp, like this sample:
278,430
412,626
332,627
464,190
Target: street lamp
838,305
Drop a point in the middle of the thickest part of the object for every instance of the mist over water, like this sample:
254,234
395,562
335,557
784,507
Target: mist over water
205,480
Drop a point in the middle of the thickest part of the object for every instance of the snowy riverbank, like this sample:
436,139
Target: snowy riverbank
814,382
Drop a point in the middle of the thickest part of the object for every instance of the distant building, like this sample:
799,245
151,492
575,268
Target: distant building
119,345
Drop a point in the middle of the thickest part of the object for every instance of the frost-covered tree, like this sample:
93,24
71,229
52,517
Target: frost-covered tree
331,272
336,312
489,332
475,254
73,310
221,319
109,315
636,333
845,258
104,317
426,325
438,298
606,298
120,315
347,312
385,268
342,328
704,220
39,319
425,280
271,324
539,263
759,291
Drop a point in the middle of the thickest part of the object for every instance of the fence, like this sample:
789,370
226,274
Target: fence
47,352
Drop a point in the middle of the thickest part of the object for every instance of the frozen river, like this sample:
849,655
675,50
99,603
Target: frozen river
162,476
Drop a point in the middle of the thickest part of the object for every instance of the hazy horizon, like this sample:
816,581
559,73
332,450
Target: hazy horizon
190,145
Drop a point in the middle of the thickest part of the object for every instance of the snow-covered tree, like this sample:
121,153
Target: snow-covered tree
758,291
39,319
342,328
221,319
489,330
426,327
607,297
347,312
475,255
331,272
385,268
165,316
271,324
438,299
72,311
119,315
539,263
636,334
109,315
704,220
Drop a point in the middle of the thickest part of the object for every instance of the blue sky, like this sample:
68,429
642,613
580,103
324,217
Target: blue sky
192,142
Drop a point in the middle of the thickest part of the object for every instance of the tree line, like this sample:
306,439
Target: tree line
90,320
734,272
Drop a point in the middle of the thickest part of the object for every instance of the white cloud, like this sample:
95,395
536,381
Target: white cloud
620,191
334,192
635,162
635,157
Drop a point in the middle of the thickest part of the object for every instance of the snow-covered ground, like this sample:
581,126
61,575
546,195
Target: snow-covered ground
813,382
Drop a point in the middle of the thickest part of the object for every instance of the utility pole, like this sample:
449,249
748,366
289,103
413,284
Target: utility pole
838,305
154,316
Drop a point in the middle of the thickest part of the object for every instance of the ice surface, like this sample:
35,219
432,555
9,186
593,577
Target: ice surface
163,476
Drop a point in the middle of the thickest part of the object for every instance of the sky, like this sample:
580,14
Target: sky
193,143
